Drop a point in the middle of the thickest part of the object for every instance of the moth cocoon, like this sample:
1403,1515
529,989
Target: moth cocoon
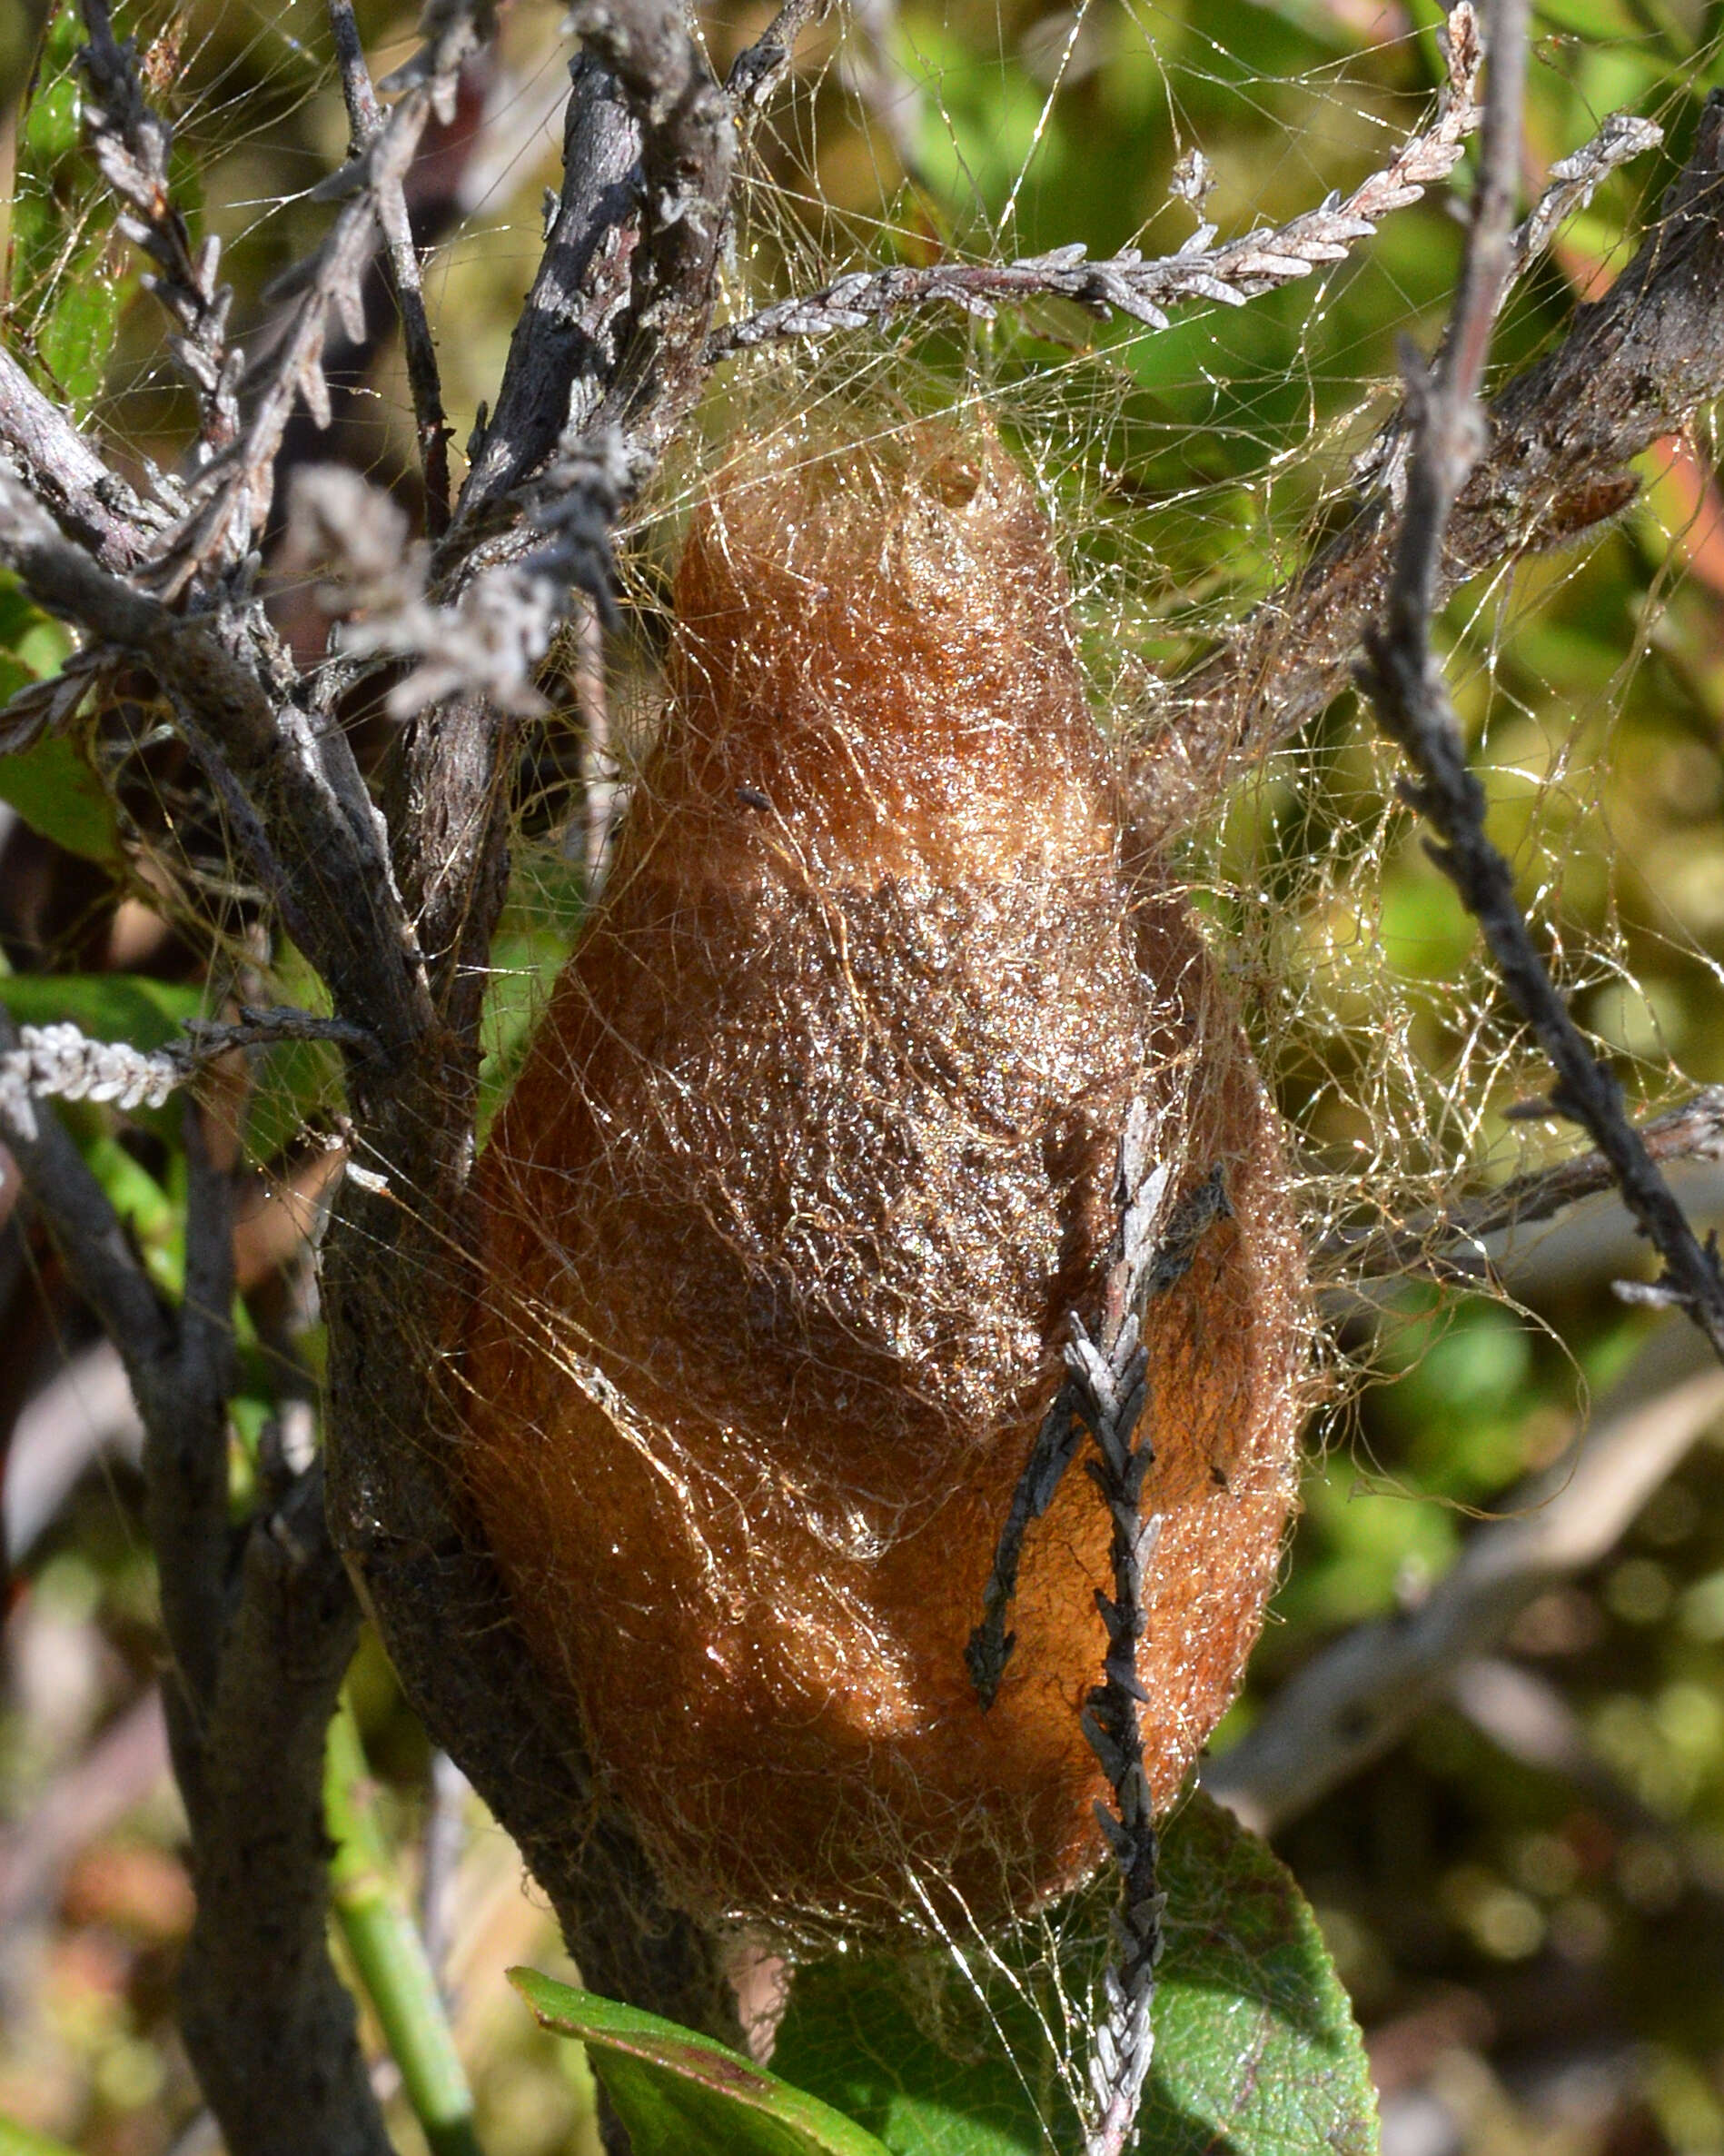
809,1166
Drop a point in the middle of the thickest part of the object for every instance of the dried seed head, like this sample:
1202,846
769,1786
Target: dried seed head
811,1162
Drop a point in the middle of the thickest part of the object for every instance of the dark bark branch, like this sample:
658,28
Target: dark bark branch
256,1667
185,1443
687,147
1644,362
566,344
67,474
269,2025
614,329
1403,680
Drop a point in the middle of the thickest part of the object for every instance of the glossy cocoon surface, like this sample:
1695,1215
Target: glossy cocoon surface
809,1163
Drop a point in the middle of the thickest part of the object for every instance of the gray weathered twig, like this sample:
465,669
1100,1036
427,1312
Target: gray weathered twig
1693,1129
1104,1393
1573,183
1642,362
231,498
132,143
490,641
687,151
366,121
1230,274
62,1063
323,858
68,476
1108,1379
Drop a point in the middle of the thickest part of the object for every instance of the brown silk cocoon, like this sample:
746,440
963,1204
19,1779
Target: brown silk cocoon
809,1163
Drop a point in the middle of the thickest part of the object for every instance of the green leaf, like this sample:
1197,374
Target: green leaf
681,2095
65,290
19,2141
1256,2049
128,1007
388,1950
54,790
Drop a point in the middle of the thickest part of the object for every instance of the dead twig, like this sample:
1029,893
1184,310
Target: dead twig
1356,1699
1693,1129
1106,1392
231,498
68,476
758,69
1231,274
1556,466
687,152
60,1062
366,121
131,143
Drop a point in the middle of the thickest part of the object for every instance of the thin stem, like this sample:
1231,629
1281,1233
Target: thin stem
758,69
1692,1131
425,381
1401,677
388,1951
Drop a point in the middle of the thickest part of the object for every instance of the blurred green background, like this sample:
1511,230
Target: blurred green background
1534,1938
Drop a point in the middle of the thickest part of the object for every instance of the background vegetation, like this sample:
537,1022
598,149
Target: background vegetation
1526,1898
